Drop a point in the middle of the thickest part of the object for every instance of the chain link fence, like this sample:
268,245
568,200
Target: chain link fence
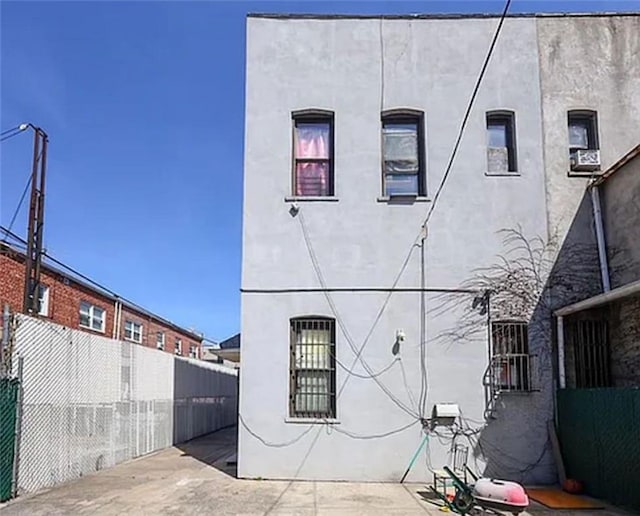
599,433
89,402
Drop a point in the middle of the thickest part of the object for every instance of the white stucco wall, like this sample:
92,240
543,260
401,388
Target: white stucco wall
429,65
586,63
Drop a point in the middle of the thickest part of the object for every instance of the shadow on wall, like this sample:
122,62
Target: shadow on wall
569,273
532,278
205,404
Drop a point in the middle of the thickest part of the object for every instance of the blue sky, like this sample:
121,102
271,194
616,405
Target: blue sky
143,103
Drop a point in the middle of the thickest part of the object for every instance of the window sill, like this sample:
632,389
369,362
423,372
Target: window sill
133,340
402,199
502,174
311,420
584,174
82,327
318,198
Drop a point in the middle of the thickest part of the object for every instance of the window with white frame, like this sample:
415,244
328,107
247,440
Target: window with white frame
193,351
92,316
511,360
178,348
43,300
160,340
312,368
133,331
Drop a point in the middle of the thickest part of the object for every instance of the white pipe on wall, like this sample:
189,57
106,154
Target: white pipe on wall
561,367
115,319
602,246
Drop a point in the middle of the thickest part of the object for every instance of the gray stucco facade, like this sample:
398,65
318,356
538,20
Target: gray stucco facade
358,239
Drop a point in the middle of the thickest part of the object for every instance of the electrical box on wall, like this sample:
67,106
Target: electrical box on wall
445,414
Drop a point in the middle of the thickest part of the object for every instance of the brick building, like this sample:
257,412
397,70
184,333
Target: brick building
75,303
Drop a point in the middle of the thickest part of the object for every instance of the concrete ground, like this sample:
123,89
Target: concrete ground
195,479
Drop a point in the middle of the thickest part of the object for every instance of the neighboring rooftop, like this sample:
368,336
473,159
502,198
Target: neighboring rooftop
434,16
65,271
632,154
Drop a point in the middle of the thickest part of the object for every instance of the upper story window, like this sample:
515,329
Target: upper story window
178,347
584,146
160,340
312,368
403,153
193,351
313,168
43,300
133,331
91,316
501,142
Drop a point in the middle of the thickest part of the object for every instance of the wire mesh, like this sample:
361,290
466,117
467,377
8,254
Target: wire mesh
89,402
8,406
598,431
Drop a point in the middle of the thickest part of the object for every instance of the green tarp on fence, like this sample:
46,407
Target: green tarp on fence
599,431
8,400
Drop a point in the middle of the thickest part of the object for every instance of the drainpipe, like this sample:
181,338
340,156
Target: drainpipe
115,318
116,329
561,367
602,246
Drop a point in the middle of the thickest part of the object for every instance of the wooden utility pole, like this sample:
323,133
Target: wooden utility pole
33,260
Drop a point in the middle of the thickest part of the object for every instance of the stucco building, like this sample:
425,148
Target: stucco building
356,318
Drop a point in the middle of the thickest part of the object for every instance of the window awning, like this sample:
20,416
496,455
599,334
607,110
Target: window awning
601,299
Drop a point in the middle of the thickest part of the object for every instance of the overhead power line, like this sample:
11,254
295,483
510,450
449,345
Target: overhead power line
14,131
465,119
17,210
79,275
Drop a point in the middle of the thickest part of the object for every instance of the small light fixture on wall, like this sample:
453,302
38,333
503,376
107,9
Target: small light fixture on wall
400,338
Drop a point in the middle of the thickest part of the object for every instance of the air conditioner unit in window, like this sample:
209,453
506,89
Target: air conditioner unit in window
585,160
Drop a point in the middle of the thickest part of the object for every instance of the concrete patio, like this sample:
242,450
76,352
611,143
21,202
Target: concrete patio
196,479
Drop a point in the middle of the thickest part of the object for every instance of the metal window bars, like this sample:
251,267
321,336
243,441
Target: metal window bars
511,362
312,368
591,353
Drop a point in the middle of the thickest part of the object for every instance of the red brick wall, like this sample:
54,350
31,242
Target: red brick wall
11,283
151,327
65,296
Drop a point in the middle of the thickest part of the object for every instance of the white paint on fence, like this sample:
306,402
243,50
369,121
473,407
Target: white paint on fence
91,402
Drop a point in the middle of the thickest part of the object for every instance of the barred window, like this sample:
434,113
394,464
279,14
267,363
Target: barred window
312,368
511,355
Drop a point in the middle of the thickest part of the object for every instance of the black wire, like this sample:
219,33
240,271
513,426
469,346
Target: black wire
15,133
423,229
17,210
374,436
345,331
468,111
10,130
270,444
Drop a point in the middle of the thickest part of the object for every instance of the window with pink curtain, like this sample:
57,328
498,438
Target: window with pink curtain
313,156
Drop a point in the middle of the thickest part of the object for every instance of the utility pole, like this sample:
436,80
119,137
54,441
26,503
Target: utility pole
33,260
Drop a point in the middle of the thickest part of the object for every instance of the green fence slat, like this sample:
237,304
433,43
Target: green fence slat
599,433
8,404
